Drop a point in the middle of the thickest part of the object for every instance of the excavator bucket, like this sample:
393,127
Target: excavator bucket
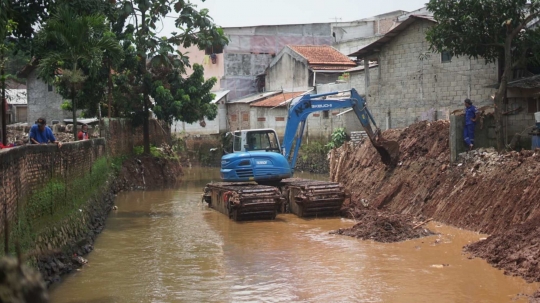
389,151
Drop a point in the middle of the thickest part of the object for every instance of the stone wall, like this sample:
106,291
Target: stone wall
413,84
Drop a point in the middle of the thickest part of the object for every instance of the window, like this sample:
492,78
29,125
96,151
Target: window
533,105
262,140
326,114
49,88
234,118
237,144
446,57
245,117
216,49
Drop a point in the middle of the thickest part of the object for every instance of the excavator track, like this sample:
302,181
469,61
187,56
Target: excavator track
312,198
243,201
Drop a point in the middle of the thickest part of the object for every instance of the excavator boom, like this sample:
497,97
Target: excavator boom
303,106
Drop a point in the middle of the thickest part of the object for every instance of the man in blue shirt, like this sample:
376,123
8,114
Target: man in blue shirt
40,133
470,123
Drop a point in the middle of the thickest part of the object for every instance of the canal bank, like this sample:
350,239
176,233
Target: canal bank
55,200
483,191
167,246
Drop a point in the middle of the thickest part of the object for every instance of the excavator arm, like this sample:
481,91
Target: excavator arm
303,106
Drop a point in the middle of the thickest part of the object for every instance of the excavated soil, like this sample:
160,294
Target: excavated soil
516,251
483,191
383,226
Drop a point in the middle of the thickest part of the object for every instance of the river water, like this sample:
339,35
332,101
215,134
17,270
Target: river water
167,246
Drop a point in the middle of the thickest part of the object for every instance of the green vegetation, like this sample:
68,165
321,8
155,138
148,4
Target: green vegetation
339,136
108,55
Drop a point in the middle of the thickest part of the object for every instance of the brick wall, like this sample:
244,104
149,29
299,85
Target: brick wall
413,84
26,169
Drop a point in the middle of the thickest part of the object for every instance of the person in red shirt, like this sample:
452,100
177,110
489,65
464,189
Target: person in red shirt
83,134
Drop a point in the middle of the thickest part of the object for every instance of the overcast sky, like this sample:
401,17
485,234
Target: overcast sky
231,13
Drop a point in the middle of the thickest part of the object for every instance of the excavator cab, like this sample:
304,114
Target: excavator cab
256,140
256,157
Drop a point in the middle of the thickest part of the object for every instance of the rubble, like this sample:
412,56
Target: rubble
62,133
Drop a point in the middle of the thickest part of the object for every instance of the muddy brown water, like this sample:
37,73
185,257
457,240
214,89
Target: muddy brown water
167,246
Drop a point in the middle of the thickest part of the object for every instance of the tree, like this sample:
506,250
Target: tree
74,41
489,29
17,18
185,99
195,28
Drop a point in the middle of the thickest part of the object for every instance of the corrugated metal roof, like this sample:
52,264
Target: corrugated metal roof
220,95
527,83
255,97
277,100
323,56
375,46
360,68
16,96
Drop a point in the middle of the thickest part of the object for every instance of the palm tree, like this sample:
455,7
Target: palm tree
73,41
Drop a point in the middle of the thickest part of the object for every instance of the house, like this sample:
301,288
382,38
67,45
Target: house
305,65
241,115
43,100
353,35
250,50
17,106
412,83
216,126
240,65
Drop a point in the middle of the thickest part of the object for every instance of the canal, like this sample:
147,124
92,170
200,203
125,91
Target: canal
167,246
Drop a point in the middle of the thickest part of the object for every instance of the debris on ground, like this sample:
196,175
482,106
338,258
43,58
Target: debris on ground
384,227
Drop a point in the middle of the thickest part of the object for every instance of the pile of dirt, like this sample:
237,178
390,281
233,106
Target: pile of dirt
383,226
516,251
149,172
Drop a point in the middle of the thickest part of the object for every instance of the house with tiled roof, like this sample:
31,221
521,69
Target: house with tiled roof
298,66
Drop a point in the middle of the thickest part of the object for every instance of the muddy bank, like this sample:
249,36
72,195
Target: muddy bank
384,227
516,250
148,172
483,191
57,262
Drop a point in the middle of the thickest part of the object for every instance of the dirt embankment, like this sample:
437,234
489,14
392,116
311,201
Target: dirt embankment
483,191
148,172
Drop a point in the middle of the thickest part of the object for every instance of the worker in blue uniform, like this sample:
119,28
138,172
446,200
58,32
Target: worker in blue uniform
470,123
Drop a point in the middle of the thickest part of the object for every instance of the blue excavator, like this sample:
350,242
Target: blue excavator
260,164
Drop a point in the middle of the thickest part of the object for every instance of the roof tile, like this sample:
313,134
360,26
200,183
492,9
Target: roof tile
323,55
276,100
